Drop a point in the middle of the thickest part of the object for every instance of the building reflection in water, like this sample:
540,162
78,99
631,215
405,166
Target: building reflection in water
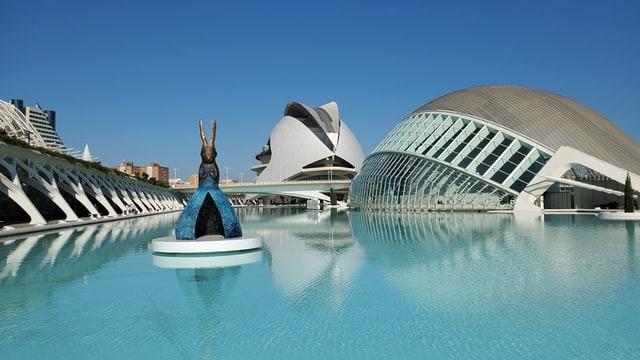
33,268
315,257
473,261
630,226
312,256
459,263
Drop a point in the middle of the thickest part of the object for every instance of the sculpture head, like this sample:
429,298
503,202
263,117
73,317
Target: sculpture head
208,152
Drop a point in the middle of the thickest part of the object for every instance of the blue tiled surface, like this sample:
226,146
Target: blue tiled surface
186,225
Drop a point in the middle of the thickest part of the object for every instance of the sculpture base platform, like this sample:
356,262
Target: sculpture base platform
205,245
170,261
619,216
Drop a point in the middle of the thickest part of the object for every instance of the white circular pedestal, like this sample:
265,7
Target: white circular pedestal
619,216
207,261
205,245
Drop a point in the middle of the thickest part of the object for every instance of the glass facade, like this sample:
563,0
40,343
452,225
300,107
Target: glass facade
443,161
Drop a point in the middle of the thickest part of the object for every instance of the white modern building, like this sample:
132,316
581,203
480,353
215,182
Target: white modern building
31,124
309,144
14,123
498,148
45,122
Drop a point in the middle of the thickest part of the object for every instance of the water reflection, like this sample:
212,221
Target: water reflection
207,282
206,292
32,268
476,261
312,256
207,261
331,285
630,226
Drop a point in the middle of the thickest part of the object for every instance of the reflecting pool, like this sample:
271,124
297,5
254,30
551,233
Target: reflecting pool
329,285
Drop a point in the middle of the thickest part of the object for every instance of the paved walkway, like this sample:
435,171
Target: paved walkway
21,229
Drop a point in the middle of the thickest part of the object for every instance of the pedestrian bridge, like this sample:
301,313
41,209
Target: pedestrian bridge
302,189
40,184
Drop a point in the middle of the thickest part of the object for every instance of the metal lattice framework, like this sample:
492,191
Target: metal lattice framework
491,148
440,161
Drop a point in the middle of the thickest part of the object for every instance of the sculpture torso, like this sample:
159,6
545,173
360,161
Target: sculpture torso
207,167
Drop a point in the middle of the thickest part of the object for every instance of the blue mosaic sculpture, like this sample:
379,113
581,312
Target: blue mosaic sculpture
208,212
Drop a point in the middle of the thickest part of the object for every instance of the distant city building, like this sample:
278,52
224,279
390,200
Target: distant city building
44,121
155,170
160,173
498,147
194,181
128,167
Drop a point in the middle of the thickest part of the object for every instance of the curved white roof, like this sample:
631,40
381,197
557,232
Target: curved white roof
547,118
306,135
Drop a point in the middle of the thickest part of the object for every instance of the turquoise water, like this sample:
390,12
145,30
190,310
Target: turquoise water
330,285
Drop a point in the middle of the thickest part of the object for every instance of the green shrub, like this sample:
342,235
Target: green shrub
88,164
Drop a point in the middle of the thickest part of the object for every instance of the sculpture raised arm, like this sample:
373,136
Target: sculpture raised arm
202,137
214,128
208,152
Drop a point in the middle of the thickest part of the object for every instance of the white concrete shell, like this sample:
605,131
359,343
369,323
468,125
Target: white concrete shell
309,143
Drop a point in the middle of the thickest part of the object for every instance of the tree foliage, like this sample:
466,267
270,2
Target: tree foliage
628,195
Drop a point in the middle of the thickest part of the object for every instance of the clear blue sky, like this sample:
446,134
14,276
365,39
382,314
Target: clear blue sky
131,78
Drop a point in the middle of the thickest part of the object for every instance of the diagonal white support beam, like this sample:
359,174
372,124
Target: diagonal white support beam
561,161
47,186
144,195
148,191
136,190
134,195
95,190
117,185
13,189
113,194
70,183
